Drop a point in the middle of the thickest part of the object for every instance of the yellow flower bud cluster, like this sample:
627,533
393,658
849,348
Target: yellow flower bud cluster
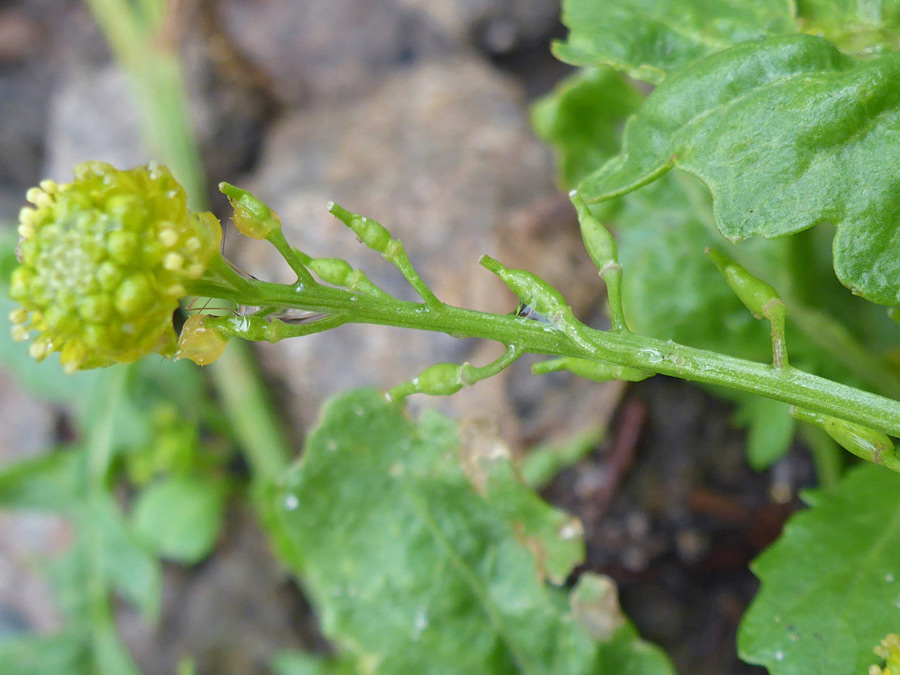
889,650
103,263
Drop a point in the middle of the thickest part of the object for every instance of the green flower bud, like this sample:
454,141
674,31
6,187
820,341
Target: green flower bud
889,650
331,270
372,234
536,293
598,240
251,216
865,443
590,370
103,263
441,379
757,296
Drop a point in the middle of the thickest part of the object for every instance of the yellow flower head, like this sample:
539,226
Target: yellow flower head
103,263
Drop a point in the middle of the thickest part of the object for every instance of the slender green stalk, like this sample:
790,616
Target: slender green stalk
135,35
612,277
243,395
104,637
471,374
667,358
152,63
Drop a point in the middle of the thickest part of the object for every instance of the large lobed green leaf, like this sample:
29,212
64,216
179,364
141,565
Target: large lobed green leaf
787,133
648,38
582,119
422,556
831,584
672,291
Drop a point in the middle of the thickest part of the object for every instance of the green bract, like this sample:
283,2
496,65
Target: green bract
103,263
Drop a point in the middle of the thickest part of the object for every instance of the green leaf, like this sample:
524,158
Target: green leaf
410,567
831,585
544,462
62,654
181,517
787,133
627,654
103,557
670,289
595,603
582,119
852,25
125,563
647,38
50,482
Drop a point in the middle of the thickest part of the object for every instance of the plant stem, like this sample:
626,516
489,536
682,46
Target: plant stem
108,649
250,414
151,61
667,358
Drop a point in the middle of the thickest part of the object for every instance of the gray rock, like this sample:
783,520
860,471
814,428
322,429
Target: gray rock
315,51
93,116
498,26
26,423
430,155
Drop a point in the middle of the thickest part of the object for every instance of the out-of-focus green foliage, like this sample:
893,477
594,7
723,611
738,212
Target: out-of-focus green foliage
425,555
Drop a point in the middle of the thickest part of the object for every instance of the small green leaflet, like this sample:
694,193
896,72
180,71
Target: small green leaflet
831,584
787,133
770,429
424,556
180,517
51,482
306,663
648,38
62,654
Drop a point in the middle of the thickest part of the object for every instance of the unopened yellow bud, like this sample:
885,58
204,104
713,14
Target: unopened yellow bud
199,343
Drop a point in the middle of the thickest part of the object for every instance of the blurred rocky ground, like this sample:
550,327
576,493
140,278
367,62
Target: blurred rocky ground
415,113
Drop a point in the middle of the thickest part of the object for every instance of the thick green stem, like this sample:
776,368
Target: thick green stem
822,329
786,384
